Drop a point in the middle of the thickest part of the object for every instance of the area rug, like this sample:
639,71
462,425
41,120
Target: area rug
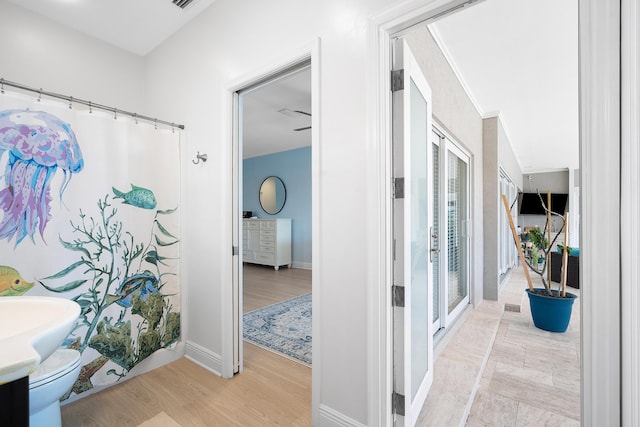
284,327
160,420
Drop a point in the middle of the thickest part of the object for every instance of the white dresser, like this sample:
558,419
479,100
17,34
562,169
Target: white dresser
267,241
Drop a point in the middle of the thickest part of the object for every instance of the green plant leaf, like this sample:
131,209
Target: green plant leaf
74,247
66,271
168,211
68,287
154,258
161,243
164,230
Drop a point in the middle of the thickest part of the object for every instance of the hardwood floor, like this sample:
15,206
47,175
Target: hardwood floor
264,286
272,390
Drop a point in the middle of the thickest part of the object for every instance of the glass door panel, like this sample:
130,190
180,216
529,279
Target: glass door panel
435,234
457,233
413,335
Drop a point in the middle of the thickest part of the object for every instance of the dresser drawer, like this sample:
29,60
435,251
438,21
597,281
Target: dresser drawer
268,225
267,235
268,258
267,241
267,246
251,225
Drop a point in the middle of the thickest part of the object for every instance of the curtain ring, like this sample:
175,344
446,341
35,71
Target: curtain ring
135,117
155,123
70,102
90,108
2,86
115,114
40,95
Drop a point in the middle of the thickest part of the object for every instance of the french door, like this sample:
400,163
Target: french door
450,235
413,216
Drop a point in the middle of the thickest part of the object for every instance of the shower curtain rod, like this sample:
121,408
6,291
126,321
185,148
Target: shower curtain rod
90,104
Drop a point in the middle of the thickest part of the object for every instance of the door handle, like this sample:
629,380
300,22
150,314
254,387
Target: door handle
432,248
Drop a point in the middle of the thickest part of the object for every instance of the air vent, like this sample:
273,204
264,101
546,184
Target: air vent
182,3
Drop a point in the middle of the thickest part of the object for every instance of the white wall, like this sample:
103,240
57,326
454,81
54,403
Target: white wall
40,53
187,77
498,153
506,157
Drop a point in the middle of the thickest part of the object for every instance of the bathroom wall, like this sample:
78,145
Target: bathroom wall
294,168
40,53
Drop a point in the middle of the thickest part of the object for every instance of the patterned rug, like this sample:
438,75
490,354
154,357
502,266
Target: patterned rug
284,327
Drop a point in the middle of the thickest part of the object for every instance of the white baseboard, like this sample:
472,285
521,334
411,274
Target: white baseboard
301,265
329,417
204,357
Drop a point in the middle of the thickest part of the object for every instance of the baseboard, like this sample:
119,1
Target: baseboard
329,417
204,357
301,265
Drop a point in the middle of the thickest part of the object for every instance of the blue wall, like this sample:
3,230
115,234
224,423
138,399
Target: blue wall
293,167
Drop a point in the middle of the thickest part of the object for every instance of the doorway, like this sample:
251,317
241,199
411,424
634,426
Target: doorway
383,53
273,215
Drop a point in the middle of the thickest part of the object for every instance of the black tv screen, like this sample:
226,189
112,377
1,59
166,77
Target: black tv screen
530,203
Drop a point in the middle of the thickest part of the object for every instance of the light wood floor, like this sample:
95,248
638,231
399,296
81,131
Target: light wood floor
264,286
272,390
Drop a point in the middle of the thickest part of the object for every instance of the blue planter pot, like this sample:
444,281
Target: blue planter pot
551,313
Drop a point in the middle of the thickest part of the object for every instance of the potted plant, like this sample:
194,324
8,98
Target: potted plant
550,308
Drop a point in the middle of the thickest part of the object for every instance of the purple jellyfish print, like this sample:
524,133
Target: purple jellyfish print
38,144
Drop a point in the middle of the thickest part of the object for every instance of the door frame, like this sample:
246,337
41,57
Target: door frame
231,314
599,76
447,144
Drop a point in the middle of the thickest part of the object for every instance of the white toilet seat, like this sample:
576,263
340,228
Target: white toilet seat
60,363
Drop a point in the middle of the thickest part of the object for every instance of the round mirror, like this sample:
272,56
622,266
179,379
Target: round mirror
272,195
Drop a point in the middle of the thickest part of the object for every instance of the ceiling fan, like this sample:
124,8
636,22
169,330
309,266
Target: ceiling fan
296,113
305,114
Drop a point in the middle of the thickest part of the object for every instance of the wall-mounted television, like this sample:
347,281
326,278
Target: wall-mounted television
530,203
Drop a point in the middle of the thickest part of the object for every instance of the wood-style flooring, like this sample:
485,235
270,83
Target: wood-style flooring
272,390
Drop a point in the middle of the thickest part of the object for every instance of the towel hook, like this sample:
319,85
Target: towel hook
199,157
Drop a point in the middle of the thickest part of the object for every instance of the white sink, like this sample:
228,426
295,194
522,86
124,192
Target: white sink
31,329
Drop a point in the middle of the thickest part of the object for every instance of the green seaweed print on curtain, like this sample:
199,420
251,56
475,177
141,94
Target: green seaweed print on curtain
126,314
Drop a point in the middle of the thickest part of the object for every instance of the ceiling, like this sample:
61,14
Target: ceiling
516,58
519,58
272,112
137,26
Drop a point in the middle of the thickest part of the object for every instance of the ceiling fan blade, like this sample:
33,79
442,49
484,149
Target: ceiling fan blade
304,128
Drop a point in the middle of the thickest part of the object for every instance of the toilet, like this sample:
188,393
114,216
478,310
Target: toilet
52,380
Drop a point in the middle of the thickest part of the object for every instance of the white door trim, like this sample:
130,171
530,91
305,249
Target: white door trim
310,51
379,172
599,39
599,111
630,206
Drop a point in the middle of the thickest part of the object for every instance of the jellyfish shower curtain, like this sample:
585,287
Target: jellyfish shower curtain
89,211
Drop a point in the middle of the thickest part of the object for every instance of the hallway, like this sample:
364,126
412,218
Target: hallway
498,369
